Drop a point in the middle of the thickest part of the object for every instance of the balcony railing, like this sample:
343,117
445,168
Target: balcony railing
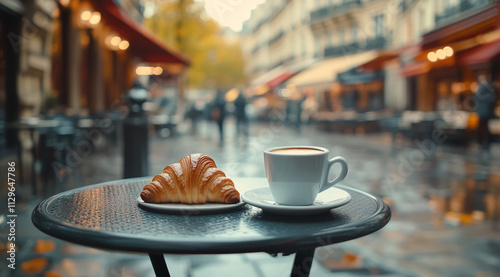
334,10
463,6
276,37
281,62
274,12
255,49
257,69
405,4
355,47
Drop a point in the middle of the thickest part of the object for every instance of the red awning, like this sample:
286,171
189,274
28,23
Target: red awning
281,74
415,68
464,28
143,44
482,54
280,79
378,62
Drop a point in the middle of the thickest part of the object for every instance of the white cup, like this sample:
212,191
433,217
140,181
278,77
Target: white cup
296,174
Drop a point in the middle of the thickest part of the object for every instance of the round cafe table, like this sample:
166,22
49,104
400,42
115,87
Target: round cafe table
107,216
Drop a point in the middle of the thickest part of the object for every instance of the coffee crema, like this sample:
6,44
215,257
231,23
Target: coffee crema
297,151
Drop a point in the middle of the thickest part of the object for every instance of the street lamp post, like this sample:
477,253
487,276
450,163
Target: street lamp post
135,134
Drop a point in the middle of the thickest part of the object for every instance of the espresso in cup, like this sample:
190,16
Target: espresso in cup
296,174
296,151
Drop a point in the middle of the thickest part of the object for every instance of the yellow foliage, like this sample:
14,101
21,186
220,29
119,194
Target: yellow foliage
215,61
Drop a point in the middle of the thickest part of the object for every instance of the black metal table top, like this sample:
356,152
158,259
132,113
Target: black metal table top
107,216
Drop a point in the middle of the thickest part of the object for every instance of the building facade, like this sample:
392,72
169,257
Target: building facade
277,34
373,54
78,55
68,60
335,36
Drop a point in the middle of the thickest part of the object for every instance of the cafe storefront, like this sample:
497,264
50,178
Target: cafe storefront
443,74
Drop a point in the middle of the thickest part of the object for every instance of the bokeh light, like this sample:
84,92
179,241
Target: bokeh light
432,57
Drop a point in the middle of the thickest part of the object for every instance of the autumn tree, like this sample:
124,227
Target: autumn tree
215,61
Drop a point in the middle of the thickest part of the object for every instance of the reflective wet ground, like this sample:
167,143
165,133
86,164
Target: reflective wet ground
445,202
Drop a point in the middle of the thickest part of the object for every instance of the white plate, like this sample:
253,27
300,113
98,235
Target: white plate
325,201
189,209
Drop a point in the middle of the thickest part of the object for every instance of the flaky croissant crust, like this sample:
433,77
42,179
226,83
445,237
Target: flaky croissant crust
195,179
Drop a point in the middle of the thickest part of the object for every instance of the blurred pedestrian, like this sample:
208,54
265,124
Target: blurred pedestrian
240,113
194,114
218,112
299,108
485,101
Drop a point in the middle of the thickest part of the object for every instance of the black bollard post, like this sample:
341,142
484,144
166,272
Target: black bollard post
135,135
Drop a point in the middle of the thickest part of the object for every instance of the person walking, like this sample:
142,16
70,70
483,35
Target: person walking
485,102
218,112
240,113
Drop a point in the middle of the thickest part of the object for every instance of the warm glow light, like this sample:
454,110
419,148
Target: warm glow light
262,89
85,15
174,69
284,93
157,70
473,86
432,57
440,54
148,70
115,41
56,12
143,70
448,51
231,13
95,18
231,95
65,2
123,45
107,40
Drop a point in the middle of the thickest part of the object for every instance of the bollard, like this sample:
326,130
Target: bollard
135,134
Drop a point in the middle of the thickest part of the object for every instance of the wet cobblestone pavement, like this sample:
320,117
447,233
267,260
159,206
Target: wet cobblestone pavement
445,202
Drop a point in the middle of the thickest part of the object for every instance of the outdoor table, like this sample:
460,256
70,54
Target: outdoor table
31,125
107,216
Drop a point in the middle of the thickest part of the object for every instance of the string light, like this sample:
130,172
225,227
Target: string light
431,56
115,41
440,54
95,18
123,45
448,51
85,15
148,70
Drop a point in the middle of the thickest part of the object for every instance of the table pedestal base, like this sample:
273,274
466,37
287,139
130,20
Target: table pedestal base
159,265
301,264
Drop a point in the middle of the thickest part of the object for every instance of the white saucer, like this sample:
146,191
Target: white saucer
189,209
325,201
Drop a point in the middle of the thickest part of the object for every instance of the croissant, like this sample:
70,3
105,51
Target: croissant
195,179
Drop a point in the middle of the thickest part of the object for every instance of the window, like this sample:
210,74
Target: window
317,45
422,24
379,25
354,33
303,47
304,10
447,4
341,37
